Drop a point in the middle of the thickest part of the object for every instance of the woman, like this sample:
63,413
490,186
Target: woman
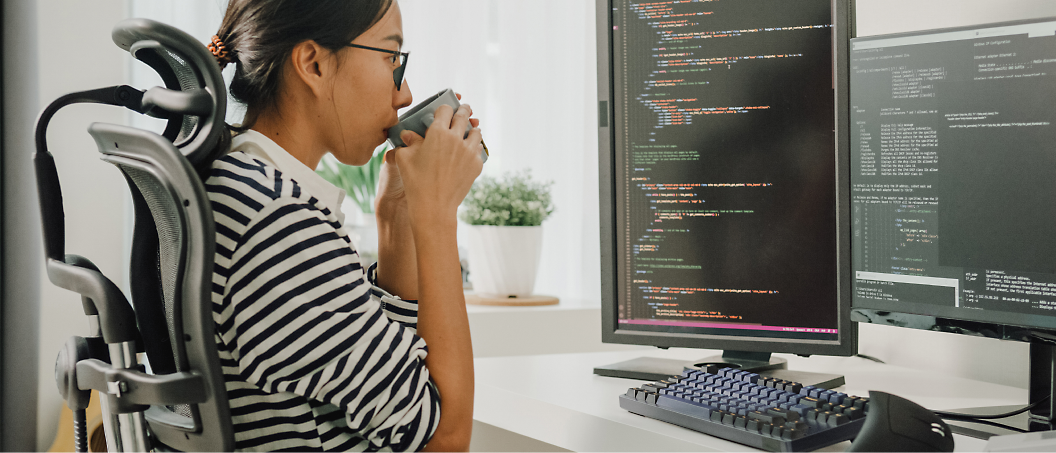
317,352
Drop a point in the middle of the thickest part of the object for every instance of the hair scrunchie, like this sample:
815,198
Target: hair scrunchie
220,52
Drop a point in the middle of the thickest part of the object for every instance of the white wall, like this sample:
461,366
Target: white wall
76,54
1002,362
877,17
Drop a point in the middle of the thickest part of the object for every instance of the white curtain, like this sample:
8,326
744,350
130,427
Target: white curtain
528,68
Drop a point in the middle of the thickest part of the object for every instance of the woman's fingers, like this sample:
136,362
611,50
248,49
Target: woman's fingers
442,118
472,121
460,121
410,137
475,138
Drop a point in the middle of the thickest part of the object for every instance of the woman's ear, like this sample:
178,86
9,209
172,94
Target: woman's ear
313,65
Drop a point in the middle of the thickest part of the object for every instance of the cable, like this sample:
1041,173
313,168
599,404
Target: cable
80,431
999,425
960,416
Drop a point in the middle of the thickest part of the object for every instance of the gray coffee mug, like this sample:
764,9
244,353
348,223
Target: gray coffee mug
419,117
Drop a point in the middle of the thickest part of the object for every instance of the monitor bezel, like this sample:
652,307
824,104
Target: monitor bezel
847,344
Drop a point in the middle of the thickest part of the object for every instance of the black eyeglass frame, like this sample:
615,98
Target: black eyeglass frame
397,74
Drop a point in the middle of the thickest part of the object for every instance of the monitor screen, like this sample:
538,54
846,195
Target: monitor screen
720,171
953,173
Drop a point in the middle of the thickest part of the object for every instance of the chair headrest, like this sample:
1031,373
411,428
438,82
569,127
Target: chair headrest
194,99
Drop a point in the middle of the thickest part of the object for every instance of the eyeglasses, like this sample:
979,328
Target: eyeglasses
397,57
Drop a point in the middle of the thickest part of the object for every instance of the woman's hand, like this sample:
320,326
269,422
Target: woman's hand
436,172
391,201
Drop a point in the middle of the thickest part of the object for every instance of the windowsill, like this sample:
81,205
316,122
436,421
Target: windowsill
562,305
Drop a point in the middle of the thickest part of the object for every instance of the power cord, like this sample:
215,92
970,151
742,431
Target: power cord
960,416
999,425
80,431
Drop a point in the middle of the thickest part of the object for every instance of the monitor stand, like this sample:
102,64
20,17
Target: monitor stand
655,369
1042,385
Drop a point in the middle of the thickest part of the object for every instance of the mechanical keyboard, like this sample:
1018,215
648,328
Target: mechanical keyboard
750,409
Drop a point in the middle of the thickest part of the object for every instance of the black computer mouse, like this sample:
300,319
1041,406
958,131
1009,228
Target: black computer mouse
896,424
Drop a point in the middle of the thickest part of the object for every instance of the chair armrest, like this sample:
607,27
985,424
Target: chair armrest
131,390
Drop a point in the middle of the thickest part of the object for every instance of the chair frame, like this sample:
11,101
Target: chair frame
134,401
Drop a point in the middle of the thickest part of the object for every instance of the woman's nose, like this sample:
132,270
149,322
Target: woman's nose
403,97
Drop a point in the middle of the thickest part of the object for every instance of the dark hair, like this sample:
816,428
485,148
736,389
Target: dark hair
261,34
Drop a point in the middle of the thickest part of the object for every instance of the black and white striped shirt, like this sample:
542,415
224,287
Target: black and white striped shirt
314,356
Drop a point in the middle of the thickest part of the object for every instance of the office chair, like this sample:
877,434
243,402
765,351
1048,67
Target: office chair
180,402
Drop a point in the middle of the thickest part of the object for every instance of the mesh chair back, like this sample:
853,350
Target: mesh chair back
179,211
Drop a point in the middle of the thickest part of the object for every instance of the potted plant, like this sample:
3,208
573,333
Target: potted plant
361,187
505,238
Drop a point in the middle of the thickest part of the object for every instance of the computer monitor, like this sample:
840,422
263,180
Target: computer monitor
724,206
953,177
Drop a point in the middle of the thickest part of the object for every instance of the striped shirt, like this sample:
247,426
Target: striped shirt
314,356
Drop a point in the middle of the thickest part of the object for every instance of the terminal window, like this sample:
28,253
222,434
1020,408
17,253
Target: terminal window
725,167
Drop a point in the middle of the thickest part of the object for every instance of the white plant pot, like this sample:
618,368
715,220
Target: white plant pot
503,260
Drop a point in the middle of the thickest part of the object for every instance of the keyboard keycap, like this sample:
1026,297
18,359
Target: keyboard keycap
656,386
862,403
783,413
752,424
835,420
812,403
716,415
766,417
853,413
837,399
815,417
740,422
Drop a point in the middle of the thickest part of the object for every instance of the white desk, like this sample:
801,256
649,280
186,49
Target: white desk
555,402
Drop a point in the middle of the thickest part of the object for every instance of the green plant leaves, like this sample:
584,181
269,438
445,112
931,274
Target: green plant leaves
359,183
513,200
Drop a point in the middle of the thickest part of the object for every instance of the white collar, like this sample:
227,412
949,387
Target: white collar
258,145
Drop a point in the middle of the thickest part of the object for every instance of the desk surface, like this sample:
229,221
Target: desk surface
558,400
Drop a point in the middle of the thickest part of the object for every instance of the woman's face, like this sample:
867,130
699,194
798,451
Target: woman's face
364,95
